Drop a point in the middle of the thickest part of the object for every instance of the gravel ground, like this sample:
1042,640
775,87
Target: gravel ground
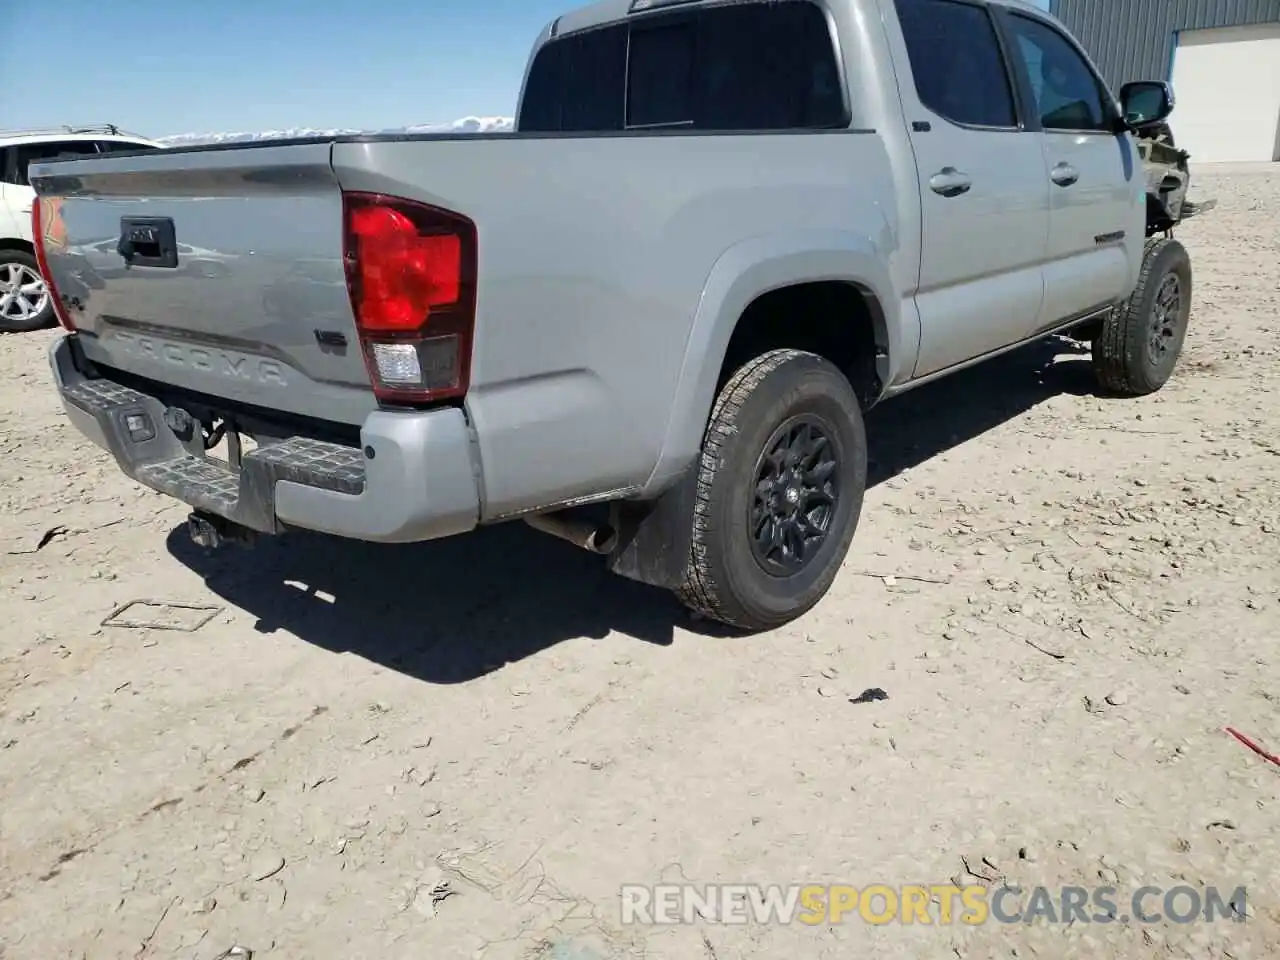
1065,598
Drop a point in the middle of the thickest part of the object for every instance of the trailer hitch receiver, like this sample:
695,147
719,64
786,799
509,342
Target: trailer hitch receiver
211,531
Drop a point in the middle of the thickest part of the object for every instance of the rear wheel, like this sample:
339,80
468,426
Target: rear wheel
1141,340
25,303
780,487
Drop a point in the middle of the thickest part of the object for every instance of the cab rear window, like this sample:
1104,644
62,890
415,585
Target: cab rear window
740,67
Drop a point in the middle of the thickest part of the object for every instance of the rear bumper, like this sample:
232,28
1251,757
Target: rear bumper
413,480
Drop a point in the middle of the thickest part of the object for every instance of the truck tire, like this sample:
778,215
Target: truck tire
23,307
1141,340
779,491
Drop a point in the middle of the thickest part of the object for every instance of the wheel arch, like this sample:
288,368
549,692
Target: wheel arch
17,243
31,321
743,276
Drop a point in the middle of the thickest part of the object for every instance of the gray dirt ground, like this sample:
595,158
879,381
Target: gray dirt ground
364,723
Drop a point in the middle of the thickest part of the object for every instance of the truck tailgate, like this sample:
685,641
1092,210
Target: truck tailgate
251,307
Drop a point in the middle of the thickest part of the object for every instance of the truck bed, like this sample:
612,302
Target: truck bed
594,255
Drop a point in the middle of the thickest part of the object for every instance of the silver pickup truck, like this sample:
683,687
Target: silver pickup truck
650,320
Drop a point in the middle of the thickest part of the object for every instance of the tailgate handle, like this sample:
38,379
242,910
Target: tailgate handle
148,242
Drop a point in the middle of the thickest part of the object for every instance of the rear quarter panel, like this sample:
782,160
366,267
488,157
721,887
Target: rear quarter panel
595,256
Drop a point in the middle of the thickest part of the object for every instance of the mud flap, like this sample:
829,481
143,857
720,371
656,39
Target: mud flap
655,537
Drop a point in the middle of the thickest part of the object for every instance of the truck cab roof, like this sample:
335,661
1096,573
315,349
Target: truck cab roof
611,11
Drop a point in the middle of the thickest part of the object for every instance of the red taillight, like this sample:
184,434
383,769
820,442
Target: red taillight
46,221
411,273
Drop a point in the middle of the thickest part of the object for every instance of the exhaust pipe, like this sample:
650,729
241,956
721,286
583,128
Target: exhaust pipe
586,534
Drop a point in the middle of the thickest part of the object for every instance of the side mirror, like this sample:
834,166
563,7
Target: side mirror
1145,102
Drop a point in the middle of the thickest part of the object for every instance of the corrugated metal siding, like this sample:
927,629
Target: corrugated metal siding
1134,39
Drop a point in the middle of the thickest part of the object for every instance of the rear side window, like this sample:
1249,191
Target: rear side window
746,66
957,63
22,155
122,146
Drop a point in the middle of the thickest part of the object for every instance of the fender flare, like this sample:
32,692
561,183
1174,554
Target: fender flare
739,276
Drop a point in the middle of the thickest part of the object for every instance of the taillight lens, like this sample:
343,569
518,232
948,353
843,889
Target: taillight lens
411,273
46,225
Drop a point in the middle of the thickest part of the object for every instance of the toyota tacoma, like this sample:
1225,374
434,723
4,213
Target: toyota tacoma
651,319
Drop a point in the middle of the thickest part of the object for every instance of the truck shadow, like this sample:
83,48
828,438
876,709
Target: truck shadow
930,420
457,609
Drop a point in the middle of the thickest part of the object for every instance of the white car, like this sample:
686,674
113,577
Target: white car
24,302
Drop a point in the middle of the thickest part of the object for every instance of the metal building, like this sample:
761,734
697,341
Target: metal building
1222,56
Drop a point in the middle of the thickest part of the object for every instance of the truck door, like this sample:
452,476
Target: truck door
1097,210
984,196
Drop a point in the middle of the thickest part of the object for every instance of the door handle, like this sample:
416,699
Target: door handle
1064,175
950,182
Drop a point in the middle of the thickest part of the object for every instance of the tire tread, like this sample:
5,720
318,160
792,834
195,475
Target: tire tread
700,591
1114,362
